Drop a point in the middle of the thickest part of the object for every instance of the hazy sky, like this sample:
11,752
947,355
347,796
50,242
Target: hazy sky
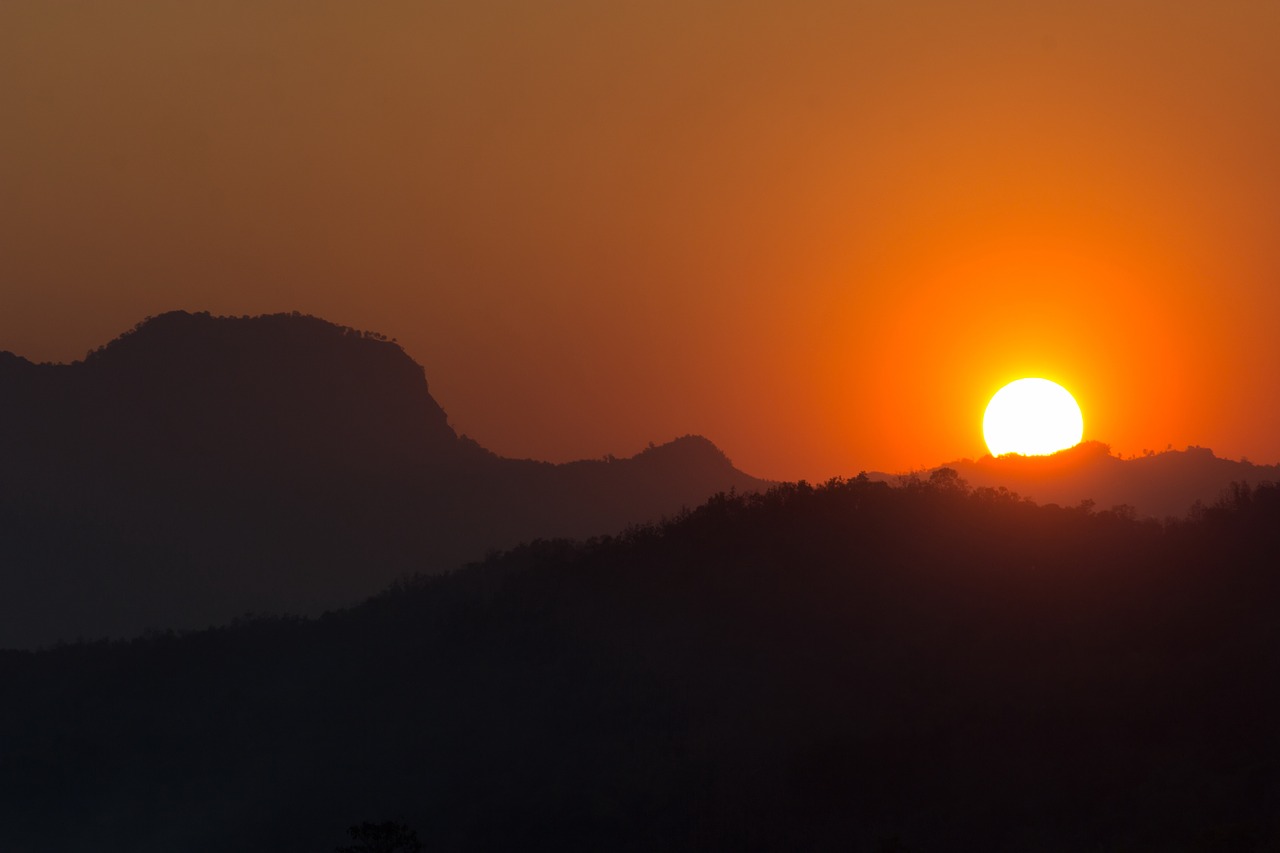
820,233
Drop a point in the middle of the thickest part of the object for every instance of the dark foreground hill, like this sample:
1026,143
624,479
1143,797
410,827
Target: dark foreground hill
201,467
1160,485
854,667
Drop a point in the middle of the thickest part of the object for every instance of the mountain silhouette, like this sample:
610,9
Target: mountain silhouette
200,467
848,667
1168,484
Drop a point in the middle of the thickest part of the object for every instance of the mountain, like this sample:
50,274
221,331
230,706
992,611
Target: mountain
849,667
201,467
1158,485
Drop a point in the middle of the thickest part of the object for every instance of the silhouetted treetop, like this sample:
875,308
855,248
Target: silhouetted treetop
385,837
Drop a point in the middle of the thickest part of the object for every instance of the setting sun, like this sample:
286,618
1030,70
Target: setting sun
1032,417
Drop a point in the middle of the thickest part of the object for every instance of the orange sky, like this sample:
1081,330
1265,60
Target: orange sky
820,233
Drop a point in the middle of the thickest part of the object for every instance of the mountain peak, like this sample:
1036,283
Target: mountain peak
198,467
238,392
186,330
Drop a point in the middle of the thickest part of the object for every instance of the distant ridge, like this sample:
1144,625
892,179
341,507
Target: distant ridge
199,467
1159,485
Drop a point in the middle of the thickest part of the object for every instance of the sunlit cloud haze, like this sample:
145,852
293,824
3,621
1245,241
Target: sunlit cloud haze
820,233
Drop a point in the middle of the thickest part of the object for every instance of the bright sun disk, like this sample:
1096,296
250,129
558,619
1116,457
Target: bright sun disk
1032,417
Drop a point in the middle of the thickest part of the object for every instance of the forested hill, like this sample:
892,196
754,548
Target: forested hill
1160,485
848,667
199,467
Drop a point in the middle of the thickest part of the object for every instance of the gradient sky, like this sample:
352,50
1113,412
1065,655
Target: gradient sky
820,233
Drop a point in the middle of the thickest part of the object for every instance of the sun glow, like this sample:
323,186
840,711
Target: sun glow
1032,417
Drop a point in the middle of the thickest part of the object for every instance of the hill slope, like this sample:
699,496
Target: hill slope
200,467
855,667
1159,485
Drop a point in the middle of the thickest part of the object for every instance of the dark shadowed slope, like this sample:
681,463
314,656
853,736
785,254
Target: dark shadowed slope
1159,485
849,668
201,467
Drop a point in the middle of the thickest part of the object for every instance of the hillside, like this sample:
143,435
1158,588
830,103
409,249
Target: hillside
852,667
198,468
1159,485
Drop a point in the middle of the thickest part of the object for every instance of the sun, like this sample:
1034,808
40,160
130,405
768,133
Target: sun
1032,417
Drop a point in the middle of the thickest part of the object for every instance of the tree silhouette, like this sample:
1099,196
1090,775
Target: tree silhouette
385,837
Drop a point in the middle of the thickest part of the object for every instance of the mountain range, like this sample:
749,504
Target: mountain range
1168,484
940,665
198,468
